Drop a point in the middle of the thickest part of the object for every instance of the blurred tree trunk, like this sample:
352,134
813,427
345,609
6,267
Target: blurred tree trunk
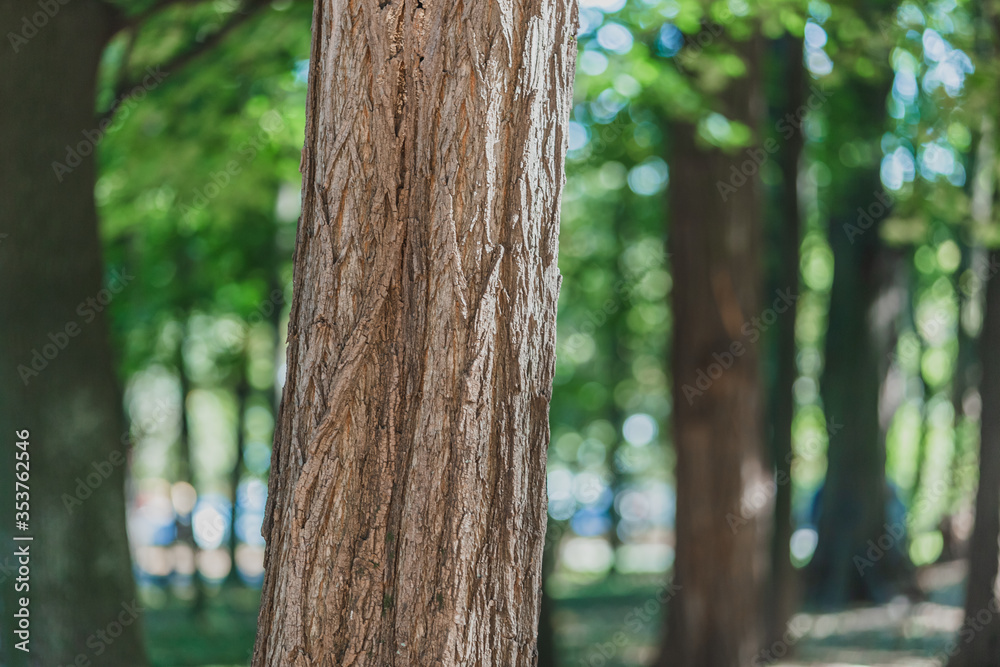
620,371
786,56
923,443
979,639
966,360
186,465
978,643
971,290
852,516
546,622
864,305
50,264
964,379
714,619
236,475
406,511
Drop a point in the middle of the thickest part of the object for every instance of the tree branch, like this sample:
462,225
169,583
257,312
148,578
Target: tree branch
136,19
123,21
123,68
124,87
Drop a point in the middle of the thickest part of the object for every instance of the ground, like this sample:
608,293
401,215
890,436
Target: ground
904,632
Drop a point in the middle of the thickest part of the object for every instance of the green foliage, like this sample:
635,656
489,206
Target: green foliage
191,175
198,196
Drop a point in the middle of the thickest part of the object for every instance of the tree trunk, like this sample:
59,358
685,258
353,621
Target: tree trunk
406,511
971,294
236,475
547,643
185,473
57,380
978,642
785,236
852,517
714,619
863,307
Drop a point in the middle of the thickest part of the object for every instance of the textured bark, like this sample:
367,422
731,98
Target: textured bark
50,263
715,619
406,512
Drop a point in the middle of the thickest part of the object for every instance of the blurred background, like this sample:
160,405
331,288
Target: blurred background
197,191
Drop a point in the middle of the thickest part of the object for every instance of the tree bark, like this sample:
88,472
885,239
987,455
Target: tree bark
978,642
50,265
406,511
714,619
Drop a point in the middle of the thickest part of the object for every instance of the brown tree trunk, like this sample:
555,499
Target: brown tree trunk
714,619
50,265
406,512
978,643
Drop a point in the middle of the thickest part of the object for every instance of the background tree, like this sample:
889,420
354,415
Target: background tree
786,82
714,244
209,244
57,380
978,643
76,77
852,506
